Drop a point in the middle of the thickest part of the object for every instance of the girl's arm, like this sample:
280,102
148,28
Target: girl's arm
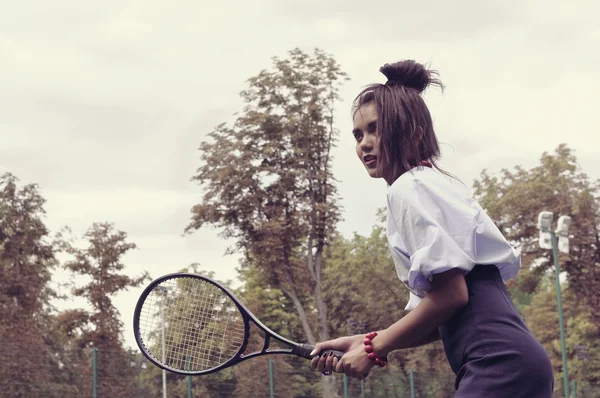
419,327
448,294
430,338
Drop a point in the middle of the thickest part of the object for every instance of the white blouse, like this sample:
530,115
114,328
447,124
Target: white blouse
434,225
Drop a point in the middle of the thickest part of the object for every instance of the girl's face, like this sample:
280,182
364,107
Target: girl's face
367,139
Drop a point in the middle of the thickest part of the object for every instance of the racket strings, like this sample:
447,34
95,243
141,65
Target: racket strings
201,327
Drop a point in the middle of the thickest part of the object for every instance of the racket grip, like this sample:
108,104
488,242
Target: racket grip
304,351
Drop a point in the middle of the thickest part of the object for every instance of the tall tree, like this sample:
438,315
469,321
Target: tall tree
268,182
101,262
26,261
515,198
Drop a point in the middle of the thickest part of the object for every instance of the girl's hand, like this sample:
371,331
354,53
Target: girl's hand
327,363
355,363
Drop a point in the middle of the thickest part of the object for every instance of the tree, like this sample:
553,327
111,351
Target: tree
268,181
26,261
514,200
101,328
72,374
584,348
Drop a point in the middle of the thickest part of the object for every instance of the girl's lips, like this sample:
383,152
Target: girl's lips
371,162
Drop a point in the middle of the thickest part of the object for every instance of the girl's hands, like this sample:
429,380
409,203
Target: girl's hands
326,363
354,363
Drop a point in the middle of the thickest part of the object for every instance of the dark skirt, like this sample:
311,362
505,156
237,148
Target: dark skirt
489,347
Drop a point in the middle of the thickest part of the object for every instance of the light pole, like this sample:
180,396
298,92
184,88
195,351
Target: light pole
557,240
162,337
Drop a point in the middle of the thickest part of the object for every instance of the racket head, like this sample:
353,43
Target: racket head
205,327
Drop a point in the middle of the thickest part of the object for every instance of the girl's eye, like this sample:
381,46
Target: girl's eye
372,127
357,136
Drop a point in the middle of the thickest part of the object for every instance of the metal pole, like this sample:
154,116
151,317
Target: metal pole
412,384
189,378
271,379
162,338
561,321
345,386
95,372
574,389
355,328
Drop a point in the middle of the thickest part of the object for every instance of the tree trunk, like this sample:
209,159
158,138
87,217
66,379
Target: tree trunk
320,302
291,293
329,383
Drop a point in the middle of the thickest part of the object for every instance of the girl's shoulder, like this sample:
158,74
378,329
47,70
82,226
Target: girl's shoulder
424,183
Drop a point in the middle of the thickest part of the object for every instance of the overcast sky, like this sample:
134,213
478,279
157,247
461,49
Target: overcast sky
104,104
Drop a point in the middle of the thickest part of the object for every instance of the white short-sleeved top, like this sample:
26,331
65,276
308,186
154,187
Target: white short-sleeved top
434,225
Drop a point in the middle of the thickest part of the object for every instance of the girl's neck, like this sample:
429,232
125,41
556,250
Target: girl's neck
422,163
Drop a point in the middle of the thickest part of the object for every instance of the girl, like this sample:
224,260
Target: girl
446,250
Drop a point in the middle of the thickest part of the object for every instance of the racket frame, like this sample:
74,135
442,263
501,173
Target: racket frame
301,350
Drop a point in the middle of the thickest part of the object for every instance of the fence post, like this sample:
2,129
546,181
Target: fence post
574,389
271,380
95,372
345,386
189,378
412,384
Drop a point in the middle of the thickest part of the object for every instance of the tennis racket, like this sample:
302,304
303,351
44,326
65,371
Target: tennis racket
191,325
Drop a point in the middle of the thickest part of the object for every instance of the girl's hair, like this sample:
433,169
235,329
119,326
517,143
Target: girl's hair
404,125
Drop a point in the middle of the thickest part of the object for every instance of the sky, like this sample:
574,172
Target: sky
104,104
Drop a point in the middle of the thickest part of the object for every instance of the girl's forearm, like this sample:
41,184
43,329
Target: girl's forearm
430,338
414,329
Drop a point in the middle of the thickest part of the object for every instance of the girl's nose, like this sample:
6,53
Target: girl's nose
367,143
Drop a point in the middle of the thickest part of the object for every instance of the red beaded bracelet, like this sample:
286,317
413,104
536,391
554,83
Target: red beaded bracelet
369,350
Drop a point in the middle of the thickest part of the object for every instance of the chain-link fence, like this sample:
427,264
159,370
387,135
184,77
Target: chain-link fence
112,373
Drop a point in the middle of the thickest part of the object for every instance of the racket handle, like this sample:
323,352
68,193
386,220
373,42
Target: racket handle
304,351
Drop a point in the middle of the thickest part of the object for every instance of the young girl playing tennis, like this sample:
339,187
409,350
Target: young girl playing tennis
446,250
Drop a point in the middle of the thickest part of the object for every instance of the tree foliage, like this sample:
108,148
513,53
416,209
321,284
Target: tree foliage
26,261
583,347
268,182
101,328
515,198
276,311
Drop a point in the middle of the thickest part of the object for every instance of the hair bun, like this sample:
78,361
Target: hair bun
410,74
